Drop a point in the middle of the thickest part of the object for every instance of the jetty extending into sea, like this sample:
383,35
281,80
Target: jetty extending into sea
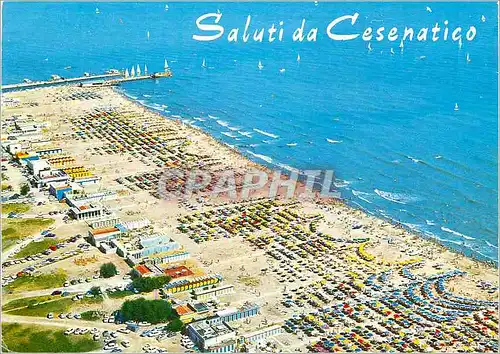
124,76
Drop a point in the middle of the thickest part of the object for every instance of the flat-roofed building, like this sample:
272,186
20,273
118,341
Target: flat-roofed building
104,222
260,336
175,256
59,190
74,200
97,236
86,212
49,151
36,166
147,246
218,337
46,177
234,314
204,294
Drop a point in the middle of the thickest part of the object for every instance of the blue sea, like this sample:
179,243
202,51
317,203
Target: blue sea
384,122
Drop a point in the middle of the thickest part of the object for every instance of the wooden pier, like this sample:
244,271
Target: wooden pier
26,85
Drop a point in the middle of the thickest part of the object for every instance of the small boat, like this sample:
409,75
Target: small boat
97,10
370,46
331,141
467,57
260,66
428,9
456,107
203,63
291,144
67,67
298,57
483,19
282,70
316,3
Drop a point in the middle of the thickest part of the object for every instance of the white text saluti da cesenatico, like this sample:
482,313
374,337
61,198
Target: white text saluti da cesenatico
211,28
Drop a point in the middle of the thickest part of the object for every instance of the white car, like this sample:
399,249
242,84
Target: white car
125,343
69,331
50,315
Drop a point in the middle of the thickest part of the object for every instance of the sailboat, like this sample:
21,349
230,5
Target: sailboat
145,69
392,51
260,66
203,63
126,73
402,46
132,72
460,43
166,65
97,10
483,19
138,71
456,107
370,46
166,7
218,11
147,35
467,57
298,57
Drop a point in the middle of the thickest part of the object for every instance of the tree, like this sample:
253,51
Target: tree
95,290
152,311
25,189
176,325
108,270
150,283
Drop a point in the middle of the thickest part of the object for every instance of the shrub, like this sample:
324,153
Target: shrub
176,325
25,189
108,270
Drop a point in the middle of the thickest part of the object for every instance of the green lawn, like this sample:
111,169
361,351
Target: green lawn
41,309
120,293
35,247
15,207
25,301
91,316
16,229
39,339
42,305
43,281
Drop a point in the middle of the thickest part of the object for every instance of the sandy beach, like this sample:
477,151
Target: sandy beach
297,259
